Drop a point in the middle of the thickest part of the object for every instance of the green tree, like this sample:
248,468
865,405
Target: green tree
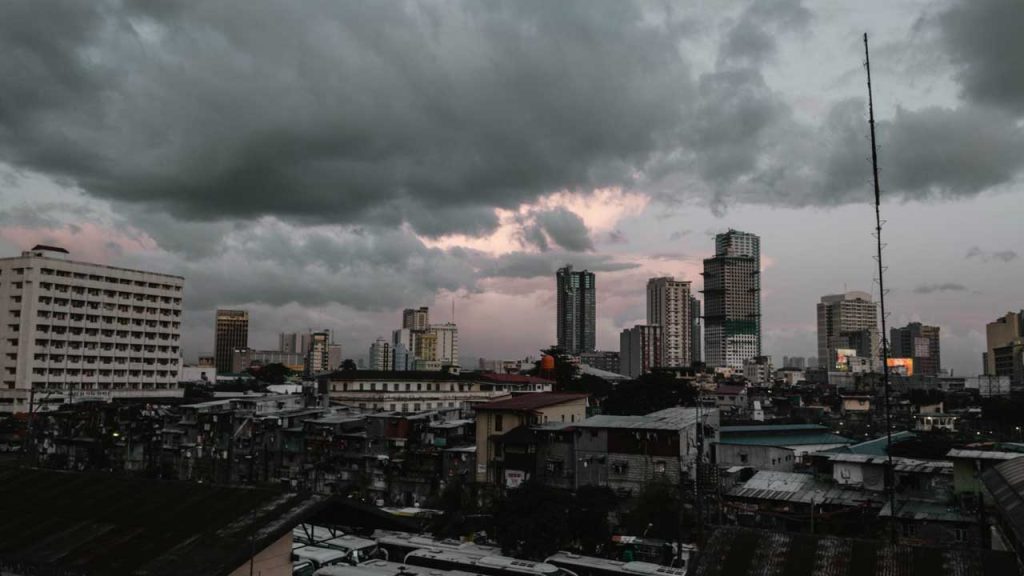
272,373
349,365
588,518
531,521
656,512
649,393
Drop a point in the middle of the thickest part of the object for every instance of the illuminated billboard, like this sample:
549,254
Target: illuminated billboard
901,366
843,356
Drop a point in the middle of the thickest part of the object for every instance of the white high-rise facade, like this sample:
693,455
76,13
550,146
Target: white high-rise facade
75,330
446,349
381,355
668,306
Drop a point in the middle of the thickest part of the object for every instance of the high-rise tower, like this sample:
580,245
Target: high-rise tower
232,332
577,309
847,320
668,306
732,300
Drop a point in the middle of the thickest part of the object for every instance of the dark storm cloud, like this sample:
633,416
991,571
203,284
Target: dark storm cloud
983,38
534,265
989,256
753,37
427,112
566,229
946,287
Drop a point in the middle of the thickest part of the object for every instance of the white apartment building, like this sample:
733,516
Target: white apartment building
381,355
668,306
413,391
71,330
446,343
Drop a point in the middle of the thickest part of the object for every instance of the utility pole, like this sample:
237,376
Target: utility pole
890,476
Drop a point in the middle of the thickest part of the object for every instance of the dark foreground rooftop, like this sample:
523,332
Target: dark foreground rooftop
54,522
733,551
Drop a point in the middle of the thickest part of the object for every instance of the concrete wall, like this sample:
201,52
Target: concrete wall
274,560
760,457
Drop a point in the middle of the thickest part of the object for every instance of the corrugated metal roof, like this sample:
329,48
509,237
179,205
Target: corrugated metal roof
899,463
785,439
773,428
668,419
983,454
802,488
876,447
925,510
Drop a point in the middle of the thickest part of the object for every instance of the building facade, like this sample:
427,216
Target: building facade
640,349
243,358
446,343
74,329
847,321
732,300
381,355
416,319
323,355
231,333
1005,348
696,351
919,342
668,306
602,360
577,311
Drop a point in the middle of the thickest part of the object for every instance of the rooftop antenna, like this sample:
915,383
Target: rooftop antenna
890,478
453,309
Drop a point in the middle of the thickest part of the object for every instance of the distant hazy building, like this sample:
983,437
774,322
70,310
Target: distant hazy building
732,300
577,311
290,343
403,345
919,342
696,354
668,306
74,329
416,319
798,362
243,358
323,354
989,386
231,333
1005,348
640,350
602,360
446,342
759,369
847,321
381,357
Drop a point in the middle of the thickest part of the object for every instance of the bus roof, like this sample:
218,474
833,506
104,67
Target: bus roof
641,568
511,564
408,539
386,568
319,555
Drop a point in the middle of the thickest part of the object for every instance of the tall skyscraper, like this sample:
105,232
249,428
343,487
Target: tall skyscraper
78,329
577,310
668,306
696,354
381,355
231,333
1005,348
847,321
416,319
732,300
640,350
919,342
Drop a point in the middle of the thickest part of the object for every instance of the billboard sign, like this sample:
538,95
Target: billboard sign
901,366
843,358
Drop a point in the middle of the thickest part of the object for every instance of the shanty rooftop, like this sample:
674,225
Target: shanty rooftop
668,419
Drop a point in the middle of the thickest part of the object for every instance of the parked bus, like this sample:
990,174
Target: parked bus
345,549
385,568
486,565
399,544
594,566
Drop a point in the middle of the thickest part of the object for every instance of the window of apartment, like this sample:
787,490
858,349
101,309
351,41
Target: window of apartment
659,467
498,423
620,467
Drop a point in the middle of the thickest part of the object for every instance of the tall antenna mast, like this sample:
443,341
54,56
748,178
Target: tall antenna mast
890,477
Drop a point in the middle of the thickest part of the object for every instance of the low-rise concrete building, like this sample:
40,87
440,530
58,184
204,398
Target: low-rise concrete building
497,418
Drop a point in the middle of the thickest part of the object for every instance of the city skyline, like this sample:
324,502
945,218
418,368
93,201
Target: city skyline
233,194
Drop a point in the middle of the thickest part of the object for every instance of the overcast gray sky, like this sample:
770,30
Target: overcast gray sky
326,164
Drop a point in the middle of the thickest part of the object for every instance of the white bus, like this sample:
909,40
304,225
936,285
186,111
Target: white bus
595,566
486,565
399,544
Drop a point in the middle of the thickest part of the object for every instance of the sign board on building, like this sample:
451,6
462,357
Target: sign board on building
901,366
514,478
